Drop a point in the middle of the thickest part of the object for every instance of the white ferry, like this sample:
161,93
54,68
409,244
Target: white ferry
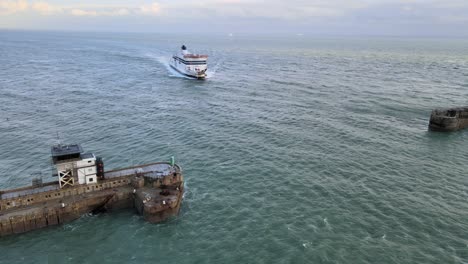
188,64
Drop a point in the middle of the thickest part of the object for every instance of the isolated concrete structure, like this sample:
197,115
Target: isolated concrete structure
449,119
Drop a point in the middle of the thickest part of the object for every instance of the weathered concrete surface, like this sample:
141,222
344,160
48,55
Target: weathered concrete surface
156,194
158,204
52,212
450,119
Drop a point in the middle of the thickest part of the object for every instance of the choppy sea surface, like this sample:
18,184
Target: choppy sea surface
295,150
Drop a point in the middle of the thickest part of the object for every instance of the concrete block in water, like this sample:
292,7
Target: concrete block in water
449,119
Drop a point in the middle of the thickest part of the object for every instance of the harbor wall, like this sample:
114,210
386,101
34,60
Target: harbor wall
37,218
34,198
39,210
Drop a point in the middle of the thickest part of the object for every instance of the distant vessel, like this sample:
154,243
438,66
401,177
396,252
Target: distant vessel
155,190
449,119
190,65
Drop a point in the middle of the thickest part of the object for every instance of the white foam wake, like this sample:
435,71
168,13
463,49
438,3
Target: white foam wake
164,60
212,71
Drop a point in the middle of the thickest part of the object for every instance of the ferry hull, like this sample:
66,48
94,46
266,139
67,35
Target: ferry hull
190,65
195,76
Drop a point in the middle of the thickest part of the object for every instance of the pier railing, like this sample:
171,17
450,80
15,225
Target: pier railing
114,178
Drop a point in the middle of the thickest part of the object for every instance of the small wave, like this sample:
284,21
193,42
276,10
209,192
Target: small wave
327,225
40,61
210,73
306,244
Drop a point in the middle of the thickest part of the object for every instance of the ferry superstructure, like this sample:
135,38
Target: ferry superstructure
189,64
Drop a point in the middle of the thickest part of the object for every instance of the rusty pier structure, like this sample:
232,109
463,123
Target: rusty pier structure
154,190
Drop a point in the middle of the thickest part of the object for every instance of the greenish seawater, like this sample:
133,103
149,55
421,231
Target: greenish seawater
295,150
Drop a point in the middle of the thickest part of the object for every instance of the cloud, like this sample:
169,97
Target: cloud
394,16
81,12
45,8
93,13
261,9
121,12
11,7
152,9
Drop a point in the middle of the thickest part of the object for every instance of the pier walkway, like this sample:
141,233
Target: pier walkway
154,170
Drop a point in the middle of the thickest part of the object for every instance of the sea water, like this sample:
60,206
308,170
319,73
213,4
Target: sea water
297,149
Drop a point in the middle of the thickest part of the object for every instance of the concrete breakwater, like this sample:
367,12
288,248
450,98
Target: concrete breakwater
449,119
154,190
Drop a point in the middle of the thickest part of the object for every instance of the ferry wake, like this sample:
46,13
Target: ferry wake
190,65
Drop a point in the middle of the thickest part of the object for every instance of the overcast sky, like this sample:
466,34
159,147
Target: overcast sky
308,17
